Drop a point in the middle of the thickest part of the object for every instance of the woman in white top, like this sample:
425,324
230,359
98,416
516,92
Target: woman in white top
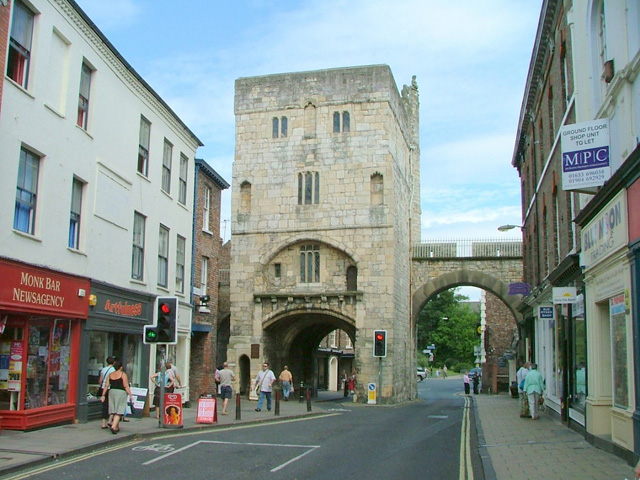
107,419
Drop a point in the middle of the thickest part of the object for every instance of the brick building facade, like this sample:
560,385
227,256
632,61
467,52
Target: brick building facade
207,251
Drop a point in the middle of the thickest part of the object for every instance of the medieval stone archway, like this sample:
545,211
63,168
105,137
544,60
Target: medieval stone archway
466,277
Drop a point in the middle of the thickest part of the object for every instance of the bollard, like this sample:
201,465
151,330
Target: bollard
308,399
238,411
277,405
301,390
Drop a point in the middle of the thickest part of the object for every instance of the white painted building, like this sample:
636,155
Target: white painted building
103,173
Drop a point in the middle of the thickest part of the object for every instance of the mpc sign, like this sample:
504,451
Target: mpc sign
585,154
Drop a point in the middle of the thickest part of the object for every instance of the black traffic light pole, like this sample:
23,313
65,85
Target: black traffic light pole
163,370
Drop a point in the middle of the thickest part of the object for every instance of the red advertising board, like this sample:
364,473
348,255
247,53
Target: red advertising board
172,416
207,411
25,288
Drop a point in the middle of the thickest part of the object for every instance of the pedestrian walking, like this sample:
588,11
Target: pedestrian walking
534,388
107,419
287,383
226,376
524,402
444,371
265,380
345,382
467,385
119,391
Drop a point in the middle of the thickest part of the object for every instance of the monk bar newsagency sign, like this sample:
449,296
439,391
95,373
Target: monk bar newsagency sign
36,290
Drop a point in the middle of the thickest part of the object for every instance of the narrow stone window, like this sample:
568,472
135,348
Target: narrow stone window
310,264
336,122
308,188
352,279
377,189
283,127
275,127
277,270
346,122
245,197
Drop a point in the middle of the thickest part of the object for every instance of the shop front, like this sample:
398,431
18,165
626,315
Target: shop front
41,317
114,328
610,403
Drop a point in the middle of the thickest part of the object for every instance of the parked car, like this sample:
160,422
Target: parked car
422,374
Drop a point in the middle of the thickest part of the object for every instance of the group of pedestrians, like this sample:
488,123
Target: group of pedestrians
530,389
114,392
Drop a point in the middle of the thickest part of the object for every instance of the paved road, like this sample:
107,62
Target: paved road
423,439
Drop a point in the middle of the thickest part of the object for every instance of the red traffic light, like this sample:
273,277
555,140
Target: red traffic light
379,336
164,308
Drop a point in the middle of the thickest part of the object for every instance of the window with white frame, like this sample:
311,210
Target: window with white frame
19,58
180,261
163,256
184,171
83,96
167,153
24,218
206,209
308,188
204,275
143,147
310,263
137,262
75,214
333,339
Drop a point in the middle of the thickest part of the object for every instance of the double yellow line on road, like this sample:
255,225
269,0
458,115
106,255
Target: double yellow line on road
466,469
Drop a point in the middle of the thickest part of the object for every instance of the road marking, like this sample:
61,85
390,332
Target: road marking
466,469
251,444
438,416
62,463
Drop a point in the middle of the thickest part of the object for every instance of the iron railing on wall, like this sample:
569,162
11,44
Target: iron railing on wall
467,248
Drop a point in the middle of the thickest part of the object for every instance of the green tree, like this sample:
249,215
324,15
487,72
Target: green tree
448,322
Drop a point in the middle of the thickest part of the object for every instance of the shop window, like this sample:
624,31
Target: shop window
11,342
48,362
124,347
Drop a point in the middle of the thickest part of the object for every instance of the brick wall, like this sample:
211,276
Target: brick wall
207,244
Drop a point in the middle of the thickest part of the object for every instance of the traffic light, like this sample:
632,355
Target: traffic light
380,343
165,327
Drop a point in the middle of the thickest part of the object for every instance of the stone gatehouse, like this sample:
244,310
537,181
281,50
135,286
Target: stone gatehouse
325,208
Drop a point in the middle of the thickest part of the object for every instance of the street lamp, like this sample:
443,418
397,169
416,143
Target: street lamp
507,227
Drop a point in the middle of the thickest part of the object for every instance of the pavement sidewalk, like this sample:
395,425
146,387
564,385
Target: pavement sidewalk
514,448
21,449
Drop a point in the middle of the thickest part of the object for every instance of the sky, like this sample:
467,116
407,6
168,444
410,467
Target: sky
470,59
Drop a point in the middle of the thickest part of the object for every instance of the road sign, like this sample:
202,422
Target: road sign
372,394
